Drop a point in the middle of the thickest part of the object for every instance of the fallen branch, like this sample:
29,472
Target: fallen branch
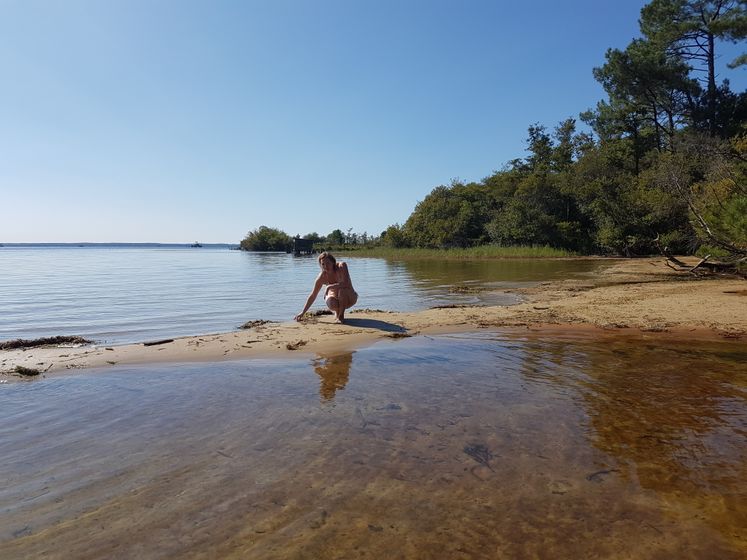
666,254
702,262
157,342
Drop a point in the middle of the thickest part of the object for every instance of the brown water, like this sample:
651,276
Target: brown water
489,446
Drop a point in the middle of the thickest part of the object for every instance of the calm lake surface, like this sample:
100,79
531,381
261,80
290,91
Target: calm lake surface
472,446
121,294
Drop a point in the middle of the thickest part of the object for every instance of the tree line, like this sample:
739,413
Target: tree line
662,161
266,238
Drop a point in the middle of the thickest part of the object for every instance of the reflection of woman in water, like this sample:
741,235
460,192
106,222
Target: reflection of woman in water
339,294
334,372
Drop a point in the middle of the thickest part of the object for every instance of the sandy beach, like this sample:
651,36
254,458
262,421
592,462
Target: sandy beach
632,296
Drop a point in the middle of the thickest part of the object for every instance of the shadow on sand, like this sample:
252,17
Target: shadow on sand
375,324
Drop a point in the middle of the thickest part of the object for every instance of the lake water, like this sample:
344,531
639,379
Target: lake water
495,445
120,294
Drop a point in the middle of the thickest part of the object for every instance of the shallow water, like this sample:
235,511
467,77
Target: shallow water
469,446
120,294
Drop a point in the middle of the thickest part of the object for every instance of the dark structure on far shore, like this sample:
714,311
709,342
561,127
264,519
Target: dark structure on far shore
302,246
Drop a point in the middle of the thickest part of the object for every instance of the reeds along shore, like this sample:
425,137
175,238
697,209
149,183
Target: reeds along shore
481,252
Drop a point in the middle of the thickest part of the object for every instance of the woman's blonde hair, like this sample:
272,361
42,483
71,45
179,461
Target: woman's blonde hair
326,255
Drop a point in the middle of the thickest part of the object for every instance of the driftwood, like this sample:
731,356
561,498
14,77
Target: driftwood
157,342
703,266
701,263
669,256
715,267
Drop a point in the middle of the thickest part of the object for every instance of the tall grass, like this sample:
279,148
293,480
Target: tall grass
481,252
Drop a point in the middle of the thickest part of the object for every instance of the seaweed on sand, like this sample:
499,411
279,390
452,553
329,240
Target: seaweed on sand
27,372
46,341
254,324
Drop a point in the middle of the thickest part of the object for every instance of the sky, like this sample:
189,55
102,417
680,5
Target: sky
181,121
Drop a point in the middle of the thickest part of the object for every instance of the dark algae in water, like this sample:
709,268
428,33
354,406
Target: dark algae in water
480,453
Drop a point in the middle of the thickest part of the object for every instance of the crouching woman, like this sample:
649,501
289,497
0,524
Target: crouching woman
339,294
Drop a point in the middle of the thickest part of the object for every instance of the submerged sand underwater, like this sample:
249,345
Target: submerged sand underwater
482,445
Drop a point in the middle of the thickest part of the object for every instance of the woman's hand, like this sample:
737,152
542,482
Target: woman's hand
298,317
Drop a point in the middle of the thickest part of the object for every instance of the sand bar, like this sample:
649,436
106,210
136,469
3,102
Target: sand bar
631,296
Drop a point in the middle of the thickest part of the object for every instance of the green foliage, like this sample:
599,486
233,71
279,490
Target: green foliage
394,237
540,148
729,219
314,237
445,218
520,222
336,237
705,176
266,239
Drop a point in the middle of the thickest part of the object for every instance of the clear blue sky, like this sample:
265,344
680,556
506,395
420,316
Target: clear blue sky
178,120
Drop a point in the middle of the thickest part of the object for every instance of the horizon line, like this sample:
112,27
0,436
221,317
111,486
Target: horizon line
6,243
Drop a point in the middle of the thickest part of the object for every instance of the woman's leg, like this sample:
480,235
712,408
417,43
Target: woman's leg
347,299
333,304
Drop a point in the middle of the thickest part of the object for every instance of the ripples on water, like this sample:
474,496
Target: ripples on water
130,294
489,446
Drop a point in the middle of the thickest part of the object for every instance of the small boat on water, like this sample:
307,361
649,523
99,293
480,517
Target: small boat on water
196,244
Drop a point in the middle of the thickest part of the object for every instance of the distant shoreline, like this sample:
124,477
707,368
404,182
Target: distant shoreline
116,244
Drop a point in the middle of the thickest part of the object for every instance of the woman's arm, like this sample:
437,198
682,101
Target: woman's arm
312,296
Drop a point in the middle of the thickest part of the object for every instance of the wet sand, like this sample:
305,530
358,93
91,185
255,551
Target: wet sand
489,445
642,295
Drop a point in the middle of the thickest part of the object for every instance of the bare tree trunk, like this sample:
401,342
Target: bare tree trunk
670,120
657,126
712,129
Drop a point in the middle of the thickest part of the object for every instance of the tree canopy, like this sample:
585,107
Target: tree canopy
266,239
